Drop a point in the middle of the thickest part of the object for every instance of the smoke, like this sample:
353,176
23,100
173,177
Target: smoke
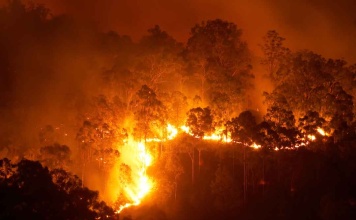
50,72
325,26
48,68
63,64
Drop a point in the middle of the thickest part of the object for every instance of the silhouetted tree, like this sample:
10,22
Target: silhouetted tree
55,156
275,54
30,193
220,60
150,114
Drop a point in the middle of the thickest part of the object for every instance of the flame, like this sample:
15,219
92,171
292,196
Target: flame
141,185
186,129
311,137
141,159
255,146
219,135
322,132
171,132
214,137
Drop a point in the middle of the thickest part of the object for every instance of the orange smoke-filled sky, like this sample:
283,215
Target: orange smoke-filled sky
324,26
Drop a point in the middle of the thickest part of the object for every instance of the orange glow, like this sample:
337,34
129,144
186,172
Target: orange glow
322,132
219,135
255,146
139,159
171,132
311,137
186,129
214,137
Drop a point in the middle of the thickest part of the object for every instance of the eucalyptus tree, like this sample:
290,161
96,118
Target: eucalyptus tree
220,60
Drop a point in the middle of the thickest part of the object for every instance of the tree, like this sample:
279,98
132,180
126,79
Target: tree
158,63
219,59
99,135
224,189
177,106
242,128
282,122
55,156
274,53
200,121
150,114
6,169
267,137
29,193
308,83
168,170
310,123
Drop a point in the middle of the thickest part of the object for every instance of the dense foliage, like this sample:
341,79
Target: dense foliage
30,191
72,96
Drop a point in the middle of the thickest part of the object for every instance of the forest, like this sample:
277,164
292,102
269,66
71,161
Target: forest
96,125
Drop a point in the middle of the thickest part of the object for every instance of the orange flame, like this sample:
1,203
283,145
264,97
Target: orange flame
171,132
322,132
142,159
141,185
311,137
255,146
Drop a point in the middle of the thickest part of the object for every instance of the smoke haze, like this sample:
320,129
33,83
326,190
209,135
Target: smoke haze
326,27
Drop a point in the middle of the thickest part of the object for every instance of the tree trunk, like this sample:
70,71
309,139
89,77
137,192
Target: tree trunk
199,159
263,176
245,180
191,155
233,162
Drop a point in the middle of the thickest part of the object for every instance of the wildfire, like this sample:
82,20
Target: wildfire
255,146
141,185
141,159
219,135
322,132
171,132
214,137
186,129
311,137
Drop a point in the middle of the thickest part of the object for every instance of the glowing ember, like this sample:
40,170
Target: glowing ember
322,132
255,146
311,137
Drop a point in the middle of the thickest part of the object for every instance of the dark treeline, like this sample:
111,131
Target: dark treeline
71,95
30,191
235,181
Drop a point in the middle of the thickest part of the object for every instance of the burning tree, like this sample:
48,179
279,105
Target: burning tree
150,114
